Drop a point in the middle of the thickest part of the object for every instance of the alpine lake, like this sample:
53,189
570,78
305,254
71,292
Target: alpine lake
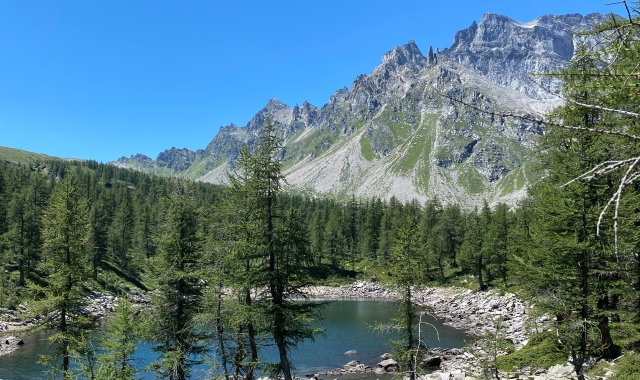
347,326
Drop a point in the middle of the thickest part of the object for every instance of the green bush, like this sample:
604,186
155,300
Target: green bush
542,351
627,368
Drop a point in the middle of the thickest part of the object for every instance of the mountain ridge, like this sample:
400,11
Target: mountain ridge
393,134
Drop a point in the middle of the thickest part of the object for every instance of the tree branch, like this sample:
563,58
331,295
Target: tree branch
541,121
589,106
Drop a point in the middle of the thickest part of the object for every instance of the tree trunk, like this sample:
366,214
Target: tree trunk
480,282
253,347
279,335
440,266
220,331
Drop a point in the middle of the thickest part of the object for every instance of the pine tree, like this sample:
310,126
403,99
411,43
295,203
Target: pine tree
471,252
568,263
121,231
496,243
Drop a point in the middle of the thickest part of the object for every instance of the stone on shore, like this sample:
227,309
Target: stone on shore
9,344
389,365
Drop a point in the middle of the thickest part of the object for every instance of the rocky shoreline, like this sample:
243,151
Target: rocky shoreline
476,313
13,325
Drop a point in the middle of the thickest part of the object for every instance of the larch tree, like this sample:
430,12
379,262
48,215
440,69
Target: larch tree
174,334
65,233
280,260
405,256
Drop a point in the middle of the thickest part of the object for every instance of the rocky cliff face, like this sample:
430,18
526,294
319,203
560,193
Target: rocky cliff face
394,134
506,51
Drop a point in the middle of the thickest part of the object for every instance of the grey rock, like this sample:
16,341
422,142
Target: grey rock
560,370
505,50
388,365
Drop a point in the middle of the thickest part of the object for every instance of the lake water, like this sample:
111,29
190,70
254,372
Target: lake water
346,325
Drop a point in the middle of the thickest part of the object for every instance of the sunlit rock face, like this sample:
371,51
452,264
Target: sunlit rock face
393,133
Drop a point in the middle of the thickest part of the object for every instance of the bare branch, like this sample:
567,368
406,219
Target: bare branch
596,75
541,121
601,169
585,105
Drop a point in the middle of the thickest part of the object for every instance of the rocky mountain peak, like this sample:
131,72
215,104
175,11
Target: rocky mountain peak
506,51
408,54
176,159
280,113
306,113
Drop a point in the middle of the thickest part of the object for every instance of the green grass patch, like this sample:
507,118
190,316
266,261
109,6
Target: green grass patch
471,180
315,144
542,351
512,181
443,154
419,146
627,368
19,156
365,149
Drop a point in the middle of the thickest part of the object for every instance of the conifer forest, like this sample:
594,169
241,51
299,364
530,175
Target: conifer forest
237,257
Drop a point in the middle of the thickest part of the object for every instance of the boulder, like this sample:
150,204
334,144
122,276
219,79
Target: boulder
351,352
389,365
560,370
432,361
385,356
352,363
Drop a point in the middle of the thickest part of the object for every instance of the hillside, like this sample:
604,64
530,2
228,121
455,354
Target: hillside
17,156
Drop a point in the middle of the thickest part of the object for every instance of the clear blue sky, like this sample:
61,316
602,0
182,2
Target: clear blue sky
105,79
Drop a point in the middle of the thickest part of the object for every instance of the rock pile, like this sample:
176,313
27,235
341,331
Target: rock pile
100,304
478,313
359,289
385,366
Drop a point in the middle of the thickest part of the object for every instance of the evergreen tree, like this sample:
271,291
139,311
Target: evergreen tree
274,239
121,231
405,256
335,242
471,252
99,232
66,232
568,265
495,242
428,220
175,336
118,343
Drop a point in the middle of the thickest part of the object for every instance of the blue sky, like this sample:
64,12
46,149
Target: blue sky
105,79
